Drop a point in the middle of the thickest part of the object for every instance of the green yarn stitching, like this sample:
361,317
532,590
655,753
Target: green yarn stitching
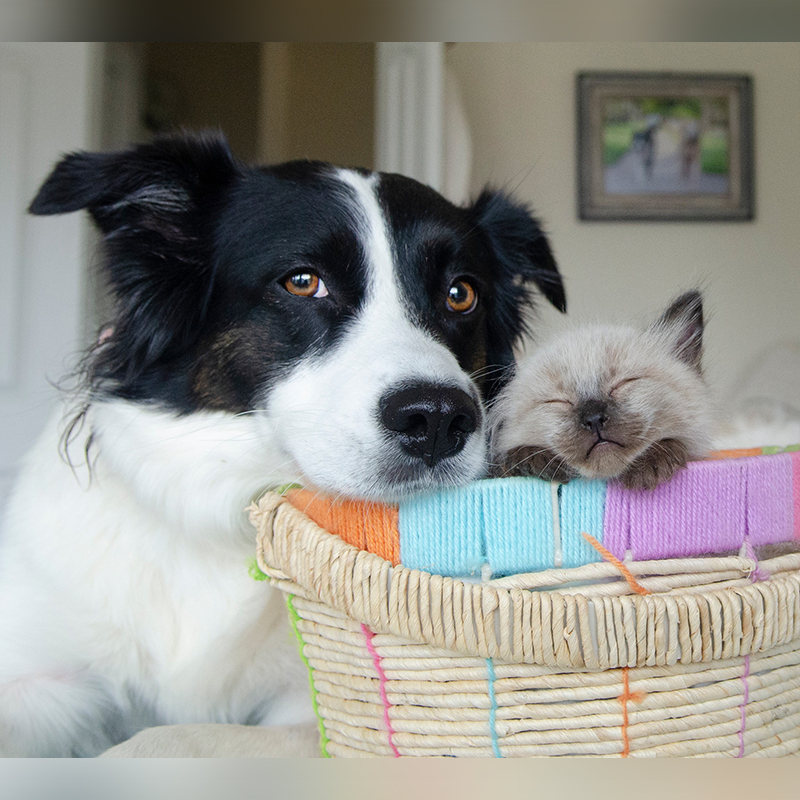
293,618
254,571
774,450
286,487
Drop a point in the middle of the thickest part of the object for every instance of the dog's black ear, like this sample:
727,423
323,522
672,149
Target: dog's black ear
150,184
519,244
155,205
522,256
682,323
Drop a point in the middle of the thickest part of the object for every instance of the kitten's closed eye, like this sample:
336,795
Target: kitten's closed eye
623,383
583,427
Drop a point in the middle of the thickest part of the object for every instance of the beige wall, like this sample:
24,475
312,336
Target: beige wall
207,85
318,102
274,101
520,101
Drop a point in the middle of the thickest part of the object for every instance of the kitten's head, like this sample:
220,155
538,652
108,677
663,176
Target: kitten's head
599,396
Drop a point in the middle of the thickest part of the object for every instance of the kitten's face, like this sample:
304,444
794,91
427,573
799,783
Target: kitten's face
598,397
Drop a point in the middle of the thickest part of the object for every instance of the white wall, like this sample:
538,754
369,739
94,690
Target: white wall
49,99
520,101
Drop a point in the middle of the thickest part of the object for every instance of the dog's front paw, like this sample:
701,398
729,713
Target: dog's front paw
656,465
536,462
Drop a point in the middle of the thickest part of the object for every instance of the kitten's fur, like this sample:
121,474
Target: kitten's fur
609,402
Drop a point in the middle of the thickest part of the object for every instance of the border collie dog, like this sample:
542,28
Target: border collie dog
303,322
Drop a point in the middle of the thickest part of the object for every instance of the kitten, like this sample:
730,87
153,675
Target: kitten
609,402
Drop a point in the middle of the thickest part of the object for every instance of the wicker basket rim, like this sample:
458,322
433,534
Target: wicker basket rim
478,619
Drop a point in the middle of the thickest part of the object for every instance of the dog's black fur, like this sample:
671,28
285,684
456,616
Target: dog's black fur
197,245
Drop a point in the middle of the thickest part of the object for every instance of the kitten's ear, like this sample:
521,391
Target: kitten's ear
682,324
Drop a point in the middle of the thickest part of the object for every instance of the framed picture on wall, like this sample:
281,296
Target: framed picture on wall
665,146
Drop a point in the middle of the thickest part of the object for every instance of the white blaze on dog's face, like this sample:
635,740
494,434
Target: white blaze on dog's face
358,319
330,413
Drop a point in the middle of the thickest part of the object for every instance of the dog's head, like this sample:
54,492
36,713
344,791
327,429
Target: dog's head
361,316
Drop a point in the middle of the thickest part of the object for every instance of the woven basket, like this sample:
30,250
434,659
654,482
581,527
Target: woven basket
689,657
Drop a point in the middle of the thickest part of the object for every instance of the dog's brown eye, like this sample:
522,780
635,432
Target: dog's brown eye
305,284
461,297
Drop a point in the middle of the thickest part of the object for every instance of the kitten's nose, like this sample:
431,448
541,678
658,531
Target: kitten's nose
593,415
430,422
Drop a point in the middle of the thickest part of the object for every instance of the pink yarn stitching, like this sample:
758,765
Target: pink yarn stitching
796,494
376,660
745,701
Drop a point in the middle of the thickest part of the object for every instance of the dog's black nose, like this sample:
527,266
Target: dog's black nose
593,415
431,422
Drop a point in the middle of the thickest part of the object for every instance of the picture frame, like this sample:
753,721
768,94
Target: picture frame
660,146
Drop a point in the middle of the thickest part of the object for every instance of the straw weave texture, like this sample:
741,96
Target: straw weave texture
561,662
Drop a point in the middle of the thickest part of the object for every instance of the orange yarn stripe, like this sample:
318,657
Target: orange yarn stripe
368,526
611,558
623,698
626,696
744,452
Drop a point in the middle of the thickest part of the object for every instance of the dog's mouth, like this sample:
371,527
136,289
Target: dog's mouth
392,473
403,477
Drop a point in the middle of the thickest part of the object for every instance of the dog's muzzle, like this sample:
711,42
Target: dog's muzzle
429,421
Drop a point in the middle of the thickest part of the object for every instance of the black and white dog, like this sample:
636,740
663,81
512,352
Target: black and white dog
295,323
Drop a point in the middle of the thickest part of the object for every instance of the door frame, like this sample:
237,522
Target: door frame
409,110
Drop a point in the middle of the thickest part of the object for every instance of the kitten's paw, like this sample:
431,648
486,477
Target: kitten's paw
656,465
535,462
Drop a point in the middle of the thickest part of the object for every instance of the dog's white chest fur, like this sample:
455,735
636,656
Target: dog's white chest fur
157,546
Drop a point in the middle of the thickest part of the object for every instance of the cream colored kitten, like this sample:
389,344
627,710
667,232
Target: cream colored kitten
609,401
